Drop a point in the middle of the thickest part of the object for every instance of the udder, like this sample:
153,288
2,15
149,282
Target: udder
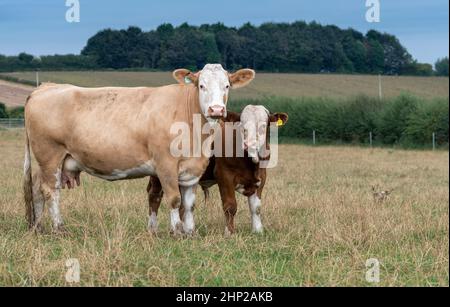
70,175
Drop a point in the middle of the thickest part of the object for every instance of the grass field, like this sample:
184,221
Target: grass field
321,221
287,85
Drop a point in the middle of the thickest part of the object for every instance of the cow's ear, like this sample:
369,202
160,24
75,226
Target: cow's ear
241,78
279,118
232,117
185,76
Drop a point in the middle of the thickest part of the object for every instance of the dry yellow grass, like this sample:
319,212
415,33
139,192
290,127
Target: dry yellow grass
287,85
321,226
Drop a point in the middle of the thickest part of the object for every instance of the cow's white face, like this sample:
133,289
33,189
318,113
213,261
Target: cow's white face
213,84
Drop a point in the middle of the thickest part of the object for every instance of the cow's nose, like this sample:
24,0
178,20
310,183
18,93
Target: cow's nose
216,111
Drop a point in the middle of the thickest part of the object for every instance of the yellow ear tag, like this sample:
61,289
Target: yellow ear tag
280,122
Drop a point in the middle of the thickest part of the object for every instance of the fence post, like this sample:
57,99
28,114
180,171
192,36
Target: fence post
314,137
434,140
37,78
380,89
370,138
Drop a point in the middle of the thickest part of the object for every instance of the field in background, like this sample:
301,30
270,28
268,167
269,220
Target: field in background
14,94
287,85
322,224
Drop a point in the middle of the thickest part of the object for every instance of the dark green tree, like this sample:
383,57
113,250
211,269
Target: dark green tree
274,47
3,113
375,57
441,67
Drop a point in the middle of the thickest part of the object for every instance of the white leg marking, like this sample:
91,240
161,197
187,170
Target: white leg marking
175,221
254,204
188,200
153,223
38,210
227,232
38,201
54,210
54,206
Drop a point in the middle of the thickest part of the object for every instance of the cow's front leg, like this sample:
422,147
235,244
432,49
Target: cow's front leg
188,202
254,203
155,194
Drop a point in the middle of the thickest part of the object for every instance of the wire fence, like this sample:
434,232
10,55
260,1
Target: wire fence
11,123
434,144
14,123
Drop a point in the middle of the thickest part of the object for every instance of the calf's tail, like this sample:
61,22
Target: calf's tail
206,193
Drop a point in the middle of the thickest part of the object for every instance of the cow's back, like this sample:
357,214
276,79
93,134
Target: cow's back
98,125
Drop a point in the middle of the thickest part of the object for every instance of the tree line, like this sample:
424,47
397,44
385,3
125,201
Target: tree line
272,47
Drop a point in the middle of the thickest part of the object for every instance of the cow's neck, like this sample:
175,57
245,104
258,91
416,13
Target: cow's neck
193,108
192,104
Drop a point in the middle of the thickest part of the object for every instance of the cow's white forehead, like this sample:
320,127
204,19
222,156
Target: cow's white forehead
213,72
254,114
213,68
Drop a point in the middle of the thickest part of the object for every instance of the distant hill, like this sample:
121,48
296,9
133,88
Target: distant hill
264,85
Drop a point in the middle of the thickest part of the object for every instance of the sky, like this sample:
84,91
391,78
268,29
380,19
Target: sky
40,27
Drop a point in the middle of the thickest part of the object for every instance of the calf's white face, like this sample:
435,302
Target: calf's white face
213,83
255,123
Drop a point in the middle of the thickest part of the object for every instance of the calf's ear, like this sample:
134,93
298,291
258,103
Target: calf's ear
241,78
185,76
279,118
232,117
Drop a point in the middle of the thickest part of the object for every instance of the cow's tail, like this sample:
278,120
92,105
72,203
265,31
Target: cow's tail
28,184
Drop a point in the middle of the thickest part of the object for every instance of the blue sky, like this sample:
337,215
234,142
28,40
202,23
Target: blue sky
39,26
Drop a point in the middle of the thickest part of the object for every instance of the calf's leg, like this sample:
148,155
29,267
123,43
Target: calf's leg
155,194
254,203
188,201
229,204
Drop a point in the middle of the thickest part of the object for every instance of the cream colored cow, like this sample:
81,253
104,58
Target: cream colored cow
121,133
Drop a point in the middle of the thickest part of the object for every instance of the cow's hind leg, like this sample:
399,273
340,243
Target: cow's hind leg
155,194
38,200
51,169
51,190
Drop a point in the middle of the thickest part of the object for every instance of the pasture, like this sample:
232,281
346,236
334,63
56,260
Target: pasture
265,84
321,221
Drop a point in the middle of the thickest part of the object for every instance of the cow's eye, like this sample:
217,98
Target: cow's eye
202,86
227,87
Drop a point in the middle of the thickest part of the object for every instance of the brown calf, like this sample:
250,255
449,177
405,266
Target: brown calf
231,174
